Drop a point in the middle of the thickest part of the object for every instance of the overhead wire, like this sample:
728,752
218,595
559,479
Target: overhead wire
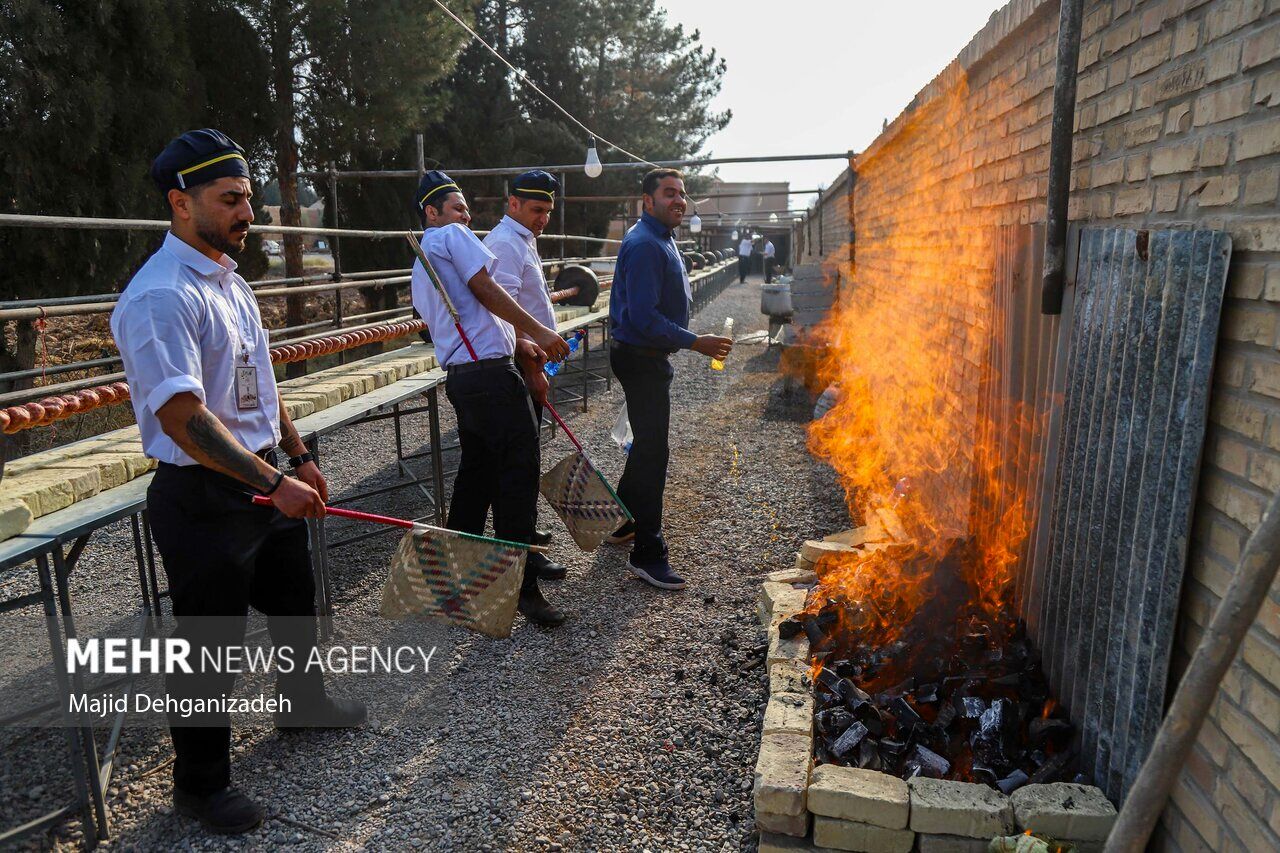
534,86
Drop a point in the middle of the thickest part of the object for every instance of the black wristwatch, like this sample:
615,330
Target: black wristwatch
299,461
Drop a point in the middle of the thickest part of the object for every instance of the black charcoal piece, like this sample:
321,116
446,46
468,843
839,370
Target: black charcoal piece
927,694
903,712
1012,782
931,764
869,754
990,741
848,741
789,628
971,707
894,748
984,774
833,721
1042,729
946,716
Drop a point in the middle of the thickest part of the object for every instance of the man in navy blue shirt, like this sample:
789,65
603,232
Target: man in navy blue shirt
648,320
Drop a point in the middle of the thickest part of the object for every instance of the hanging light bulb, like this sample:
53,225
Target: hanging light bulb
593,167
695,224
773,217
733,236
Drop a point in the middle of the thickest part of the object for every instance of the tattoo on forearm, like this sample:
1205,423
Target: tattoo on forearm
292,444
208,435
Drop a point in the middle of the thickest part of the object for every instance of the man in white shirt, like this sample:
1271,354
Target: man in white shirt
200,378
769,254
501,463
744,258
514,241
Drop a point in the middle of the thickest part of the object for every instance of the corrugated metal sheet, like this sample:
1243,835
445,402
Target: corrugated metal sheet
1103,591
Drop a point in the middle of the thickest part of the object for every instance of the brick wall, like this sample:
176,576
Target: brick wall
1178,123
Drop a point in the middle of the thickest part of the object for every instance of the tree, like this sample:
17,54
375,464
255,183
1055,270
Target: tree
620,67
89,94
345,75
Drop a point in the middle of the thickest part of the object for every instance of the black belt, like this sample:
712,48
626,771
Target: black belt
623,346
482,364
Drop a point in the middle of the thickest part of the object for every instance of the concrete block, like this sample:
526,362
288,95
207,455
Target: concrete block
789,712
1064,810
795,649
1258,140
112,471
796,825
15,516
951,844
298,408
782,773
862,837
48,491
866,796
792,576
790,677
779,600
943,807
778,843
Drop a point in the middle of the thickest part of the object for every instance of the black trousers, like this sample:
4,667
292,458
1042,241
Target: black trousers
646,383
223,555
744,267
501,460
768,269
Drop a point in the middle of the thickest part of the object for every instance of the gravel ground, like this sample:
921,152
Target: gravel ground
633,726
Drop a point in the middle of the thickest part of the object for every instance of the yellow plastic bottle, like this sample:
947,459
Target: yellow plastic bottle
717,364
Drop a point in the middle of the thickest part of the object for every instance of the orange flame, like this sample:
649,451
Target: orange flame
920,430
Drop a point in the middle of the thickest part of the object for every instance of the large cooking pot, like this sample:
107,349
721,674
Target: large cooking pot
775,299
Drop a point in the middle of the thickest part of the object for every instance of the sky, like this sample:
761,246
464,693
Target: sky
821,76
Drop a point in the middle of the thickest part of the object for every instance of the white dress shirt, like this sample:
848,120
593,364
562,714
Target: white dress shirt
182,324
517,251
769,250
456,255
744,248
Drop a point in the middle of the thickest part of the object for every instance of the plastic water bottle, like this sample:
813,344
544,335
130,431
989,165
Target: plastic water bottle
717,364
553,367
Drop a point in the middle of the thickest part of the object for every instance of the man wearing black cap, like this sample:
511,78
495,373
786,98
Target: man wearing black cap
206,402
648,319
500,463
514,241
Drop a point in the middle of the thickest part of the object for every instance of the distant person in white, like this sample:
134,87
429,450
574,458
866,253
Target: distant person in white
514,241
199,371
769,254
501,462
744,258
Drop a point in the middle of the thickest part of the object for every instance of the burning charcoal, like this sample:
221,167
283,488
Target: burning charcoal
894,748
984,774
991,740
1012,782
908,686
971,707
870,717
829,680
946,716
813,629
789,628
847,669
929,762
903,712
1042,730
927,694
833,721
849,740
869,754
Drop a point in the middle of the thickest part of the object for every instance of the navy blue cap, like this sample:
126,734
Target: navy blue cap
535,184
434,183
197,157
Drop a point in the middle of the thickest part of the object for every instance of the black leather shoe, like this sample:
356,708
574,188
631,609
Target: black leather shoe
226,812
548,570
537,609
333,712
541,537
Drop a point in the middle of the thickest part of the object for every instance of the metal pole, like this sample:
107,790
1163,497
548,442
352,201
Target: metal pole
1064,110
1244,597
563,189
420,164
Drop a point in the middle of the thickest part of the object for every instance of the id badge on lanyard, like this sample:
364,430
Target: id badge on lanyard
246,385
